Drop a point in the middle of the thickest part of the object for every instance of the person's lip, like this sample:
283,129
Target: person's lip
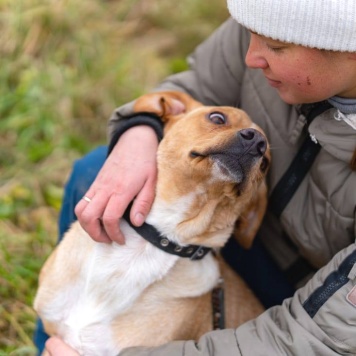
273,83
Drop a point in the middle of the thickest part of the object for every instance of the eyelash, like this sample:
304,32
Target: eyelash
275,49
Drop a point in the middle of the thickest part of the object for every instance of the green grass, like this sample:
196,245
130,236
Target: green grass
65,65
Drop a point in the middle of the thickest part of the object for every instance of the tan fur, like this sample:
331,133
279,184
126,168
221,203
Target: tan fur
249,221
185,318
162,312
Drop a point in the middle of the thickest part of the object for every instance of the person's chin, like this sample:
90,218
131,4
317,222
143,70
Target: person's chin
291,98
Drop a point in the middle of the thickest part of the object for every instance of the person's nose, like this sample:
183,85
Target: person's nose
254,56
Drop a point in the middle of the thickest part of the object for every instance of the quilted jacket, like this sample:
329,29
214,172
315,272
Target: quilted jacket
317,227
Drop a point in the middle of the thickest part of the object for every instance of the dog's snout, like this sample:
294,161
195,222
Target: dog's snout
255,141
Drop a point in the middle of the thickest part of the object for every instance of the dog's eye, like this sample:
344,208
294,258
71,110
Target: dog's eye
217,118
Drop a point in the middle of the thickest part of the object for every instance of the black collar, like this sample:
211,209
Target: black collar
150,234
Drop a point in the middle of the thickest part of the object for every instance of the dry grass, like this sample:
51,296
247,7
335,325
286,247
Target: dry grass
65,65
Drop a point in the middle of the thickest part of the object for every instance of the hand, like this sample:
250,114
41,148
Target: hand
130,172
56,347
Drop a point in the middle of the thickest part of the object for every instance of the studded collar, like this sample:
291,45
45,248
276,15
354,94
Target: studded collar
152,235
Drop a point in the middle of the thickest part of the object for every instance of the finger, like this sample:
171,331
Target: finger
89,215
143,202
114,210
56,347
83,202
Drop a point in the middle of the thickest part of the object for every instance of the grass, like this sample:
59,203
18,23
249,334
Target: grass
65,65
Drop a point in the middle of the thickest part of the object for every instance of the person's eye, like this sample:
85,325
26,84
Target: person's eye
217,118
275,48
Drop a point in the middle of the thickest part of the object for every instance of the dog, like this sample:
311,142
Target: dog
101,298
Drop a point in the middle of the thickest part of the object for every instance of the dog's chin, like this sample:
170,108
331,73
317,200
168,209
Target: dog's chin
225,173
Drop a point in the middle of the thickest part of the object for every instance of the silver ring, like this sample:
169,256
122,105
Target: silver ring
86,199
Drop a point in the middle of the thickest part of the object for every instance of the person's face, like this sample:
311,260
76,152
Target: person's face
301,74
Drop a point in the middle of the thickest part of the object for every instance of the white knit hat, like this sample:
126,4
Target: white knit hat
323,24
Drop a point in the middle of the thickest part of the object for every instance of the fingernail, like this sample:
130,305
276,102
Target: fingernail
139,219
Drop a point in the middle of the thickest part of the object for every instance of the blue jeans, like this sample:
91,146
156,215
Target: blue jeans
254,265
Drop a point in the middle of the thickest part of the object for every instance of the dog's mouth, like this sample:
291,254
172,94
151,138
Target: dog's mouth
236,159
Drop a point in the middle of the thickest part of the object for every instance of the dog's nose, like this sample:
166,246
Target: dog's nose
254,141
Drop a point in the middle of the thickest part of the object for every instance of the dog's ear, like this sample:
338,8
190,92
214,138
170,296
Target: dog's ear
250,220
166,104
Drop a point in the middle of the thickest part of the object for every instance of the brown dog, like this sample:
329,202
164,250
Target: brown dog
101,298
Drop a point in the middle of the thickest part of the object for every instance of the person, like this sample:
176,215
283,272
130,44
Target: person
284,63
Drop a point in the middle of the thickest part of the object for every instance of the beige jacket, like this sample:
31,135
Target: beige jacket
319,220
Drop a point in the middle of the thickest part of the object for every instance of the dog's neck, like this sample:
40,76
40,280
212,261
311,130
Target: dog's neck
152,235
189,219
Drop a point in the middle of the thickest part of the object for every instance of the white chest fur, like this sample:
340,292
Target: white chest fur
108,283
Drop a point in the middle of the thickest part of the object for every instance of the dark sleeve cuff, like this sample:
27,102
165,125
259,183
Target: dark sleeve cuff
143,118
